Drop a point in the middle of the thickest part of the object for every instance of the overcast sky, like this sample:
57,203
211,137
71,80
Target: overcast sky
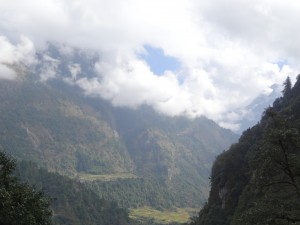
213,56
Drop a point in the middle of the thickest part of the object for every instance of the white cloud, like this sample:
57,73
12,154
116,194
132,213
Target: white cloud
75,69
10,55
229,50
7,73
48,68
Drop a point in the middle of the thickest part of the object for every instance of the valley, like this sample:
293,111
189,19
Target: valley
137,158
140,166
149,112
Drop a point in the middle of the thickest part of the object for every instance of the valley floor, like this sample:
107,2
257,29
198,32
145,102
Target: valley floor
177,215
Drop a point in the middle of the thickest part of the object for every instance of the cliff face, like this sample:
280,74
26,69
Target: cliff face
257,180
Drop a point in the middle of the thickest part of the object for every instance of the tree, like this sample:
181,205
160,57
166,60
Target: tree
287,87
20,204
282,149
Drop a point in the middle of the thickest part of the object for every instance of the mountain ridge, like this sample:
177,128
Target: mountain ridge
73,134
46,117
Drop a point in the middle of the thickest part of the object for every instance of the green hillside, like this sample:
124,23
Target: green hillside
43,124
71,202
257,180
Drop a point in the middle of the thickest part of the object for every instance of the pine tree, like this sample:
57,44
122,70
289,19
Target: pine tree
287,87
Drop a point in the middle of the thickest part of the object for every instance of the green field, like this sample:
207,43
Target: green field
178,215
105,177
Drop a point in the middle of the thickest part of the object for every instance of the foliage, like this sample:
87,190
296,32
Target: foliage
20,204
133,193
72,203
275,182
287,87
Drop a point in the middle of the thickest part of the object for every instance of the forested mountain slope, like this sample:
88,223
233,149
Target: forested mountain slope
257,180
167,160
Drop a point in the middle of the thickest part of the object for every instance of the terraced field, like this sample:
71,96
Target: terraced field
178,215
84,177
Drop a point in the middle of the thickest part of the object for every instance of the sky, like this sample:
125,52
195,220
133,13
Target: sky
158,61
194,57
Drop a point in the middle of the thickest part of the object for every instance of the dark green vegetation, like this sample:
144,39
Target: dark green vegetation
71,202
257,181
67,203
20,204
166,160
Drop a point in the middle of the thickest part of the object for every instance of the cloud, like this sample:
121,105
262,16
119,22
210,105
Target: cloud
13,56
229,52
49,68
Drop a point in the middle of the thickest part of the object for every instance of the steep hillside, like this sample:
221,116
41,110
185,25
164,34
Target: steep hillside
257,180
173,151
43,124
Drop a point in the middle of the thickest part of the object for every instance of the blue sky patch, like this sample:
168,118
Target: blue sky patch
158,61
282,63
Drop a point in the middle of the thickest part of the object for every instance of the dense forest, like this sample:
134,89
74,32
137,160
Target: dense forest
257,180
71,202
20,204
32,195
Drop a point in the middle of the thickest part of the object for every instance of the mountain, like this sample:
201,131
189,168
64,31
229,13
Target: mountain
57,127
47,119
114,151
257,180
